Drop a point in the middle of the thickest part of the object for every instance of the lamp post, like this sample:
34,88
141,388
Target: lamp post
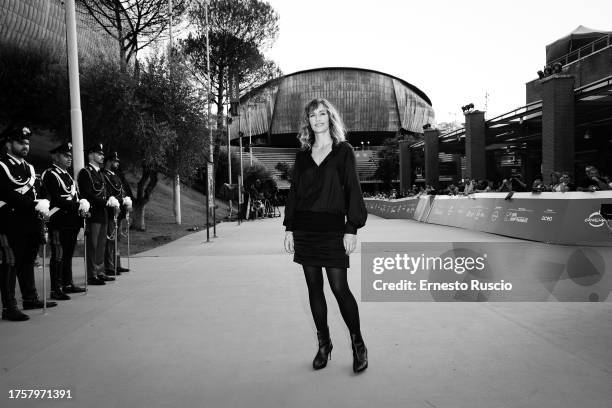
250,143
177,179
210,194
229,150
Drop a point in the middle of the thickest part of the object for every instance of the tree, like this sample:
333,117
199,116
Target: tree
175,111
33,85
133,23
286,170
258,172
154,123
388,165
239,30
152,141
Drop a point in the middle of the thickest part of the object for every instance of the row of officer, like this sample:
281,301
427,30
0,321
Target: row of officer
26,205
109,199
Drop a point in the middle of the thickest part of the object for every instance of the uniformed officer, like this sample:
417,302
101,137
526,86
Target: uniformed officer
7,270
22,193
65,222
115,188
92,188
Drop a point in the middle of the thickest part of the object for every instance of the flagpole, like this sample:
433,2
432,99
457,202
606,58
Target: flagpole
76,121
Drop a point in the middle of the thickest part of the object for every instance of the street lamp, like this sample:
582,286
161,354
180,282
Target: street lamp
249,106
210,195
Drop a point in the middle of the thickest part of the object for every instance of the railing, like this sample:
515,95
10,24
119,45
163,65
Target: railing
584,51
593,87
523,110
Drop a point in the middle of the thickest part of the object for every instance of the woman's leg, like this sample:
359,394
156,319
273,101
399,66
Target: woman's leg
318,306
346,300
350,314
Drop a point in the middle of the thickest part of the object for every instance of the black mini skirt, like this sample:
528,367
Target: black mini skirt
315,248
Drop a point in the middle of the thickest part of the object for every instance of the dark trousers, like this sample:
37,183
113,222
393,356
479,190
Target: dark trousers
96,244
24,246
62,243
8,275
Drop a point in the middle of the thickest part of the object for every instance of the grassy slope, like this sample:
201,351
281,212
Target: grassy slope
159,216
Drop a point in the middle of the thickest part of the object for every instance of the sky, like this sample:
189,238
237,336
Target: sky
455,51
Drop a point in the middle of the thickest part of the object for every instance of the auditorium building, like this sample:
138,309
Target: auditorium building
373,105
42,23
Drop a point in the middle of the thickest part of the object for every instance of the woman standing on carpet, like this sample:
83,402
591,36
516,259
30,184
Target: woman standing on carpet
324,209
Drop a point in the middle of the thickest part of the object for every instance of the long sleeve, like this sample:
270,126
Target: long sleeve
356,213
292,197
21,202
53,188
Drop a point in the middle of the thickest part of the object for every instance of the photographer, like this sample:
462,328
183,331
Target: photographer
564,184
595,181
517,183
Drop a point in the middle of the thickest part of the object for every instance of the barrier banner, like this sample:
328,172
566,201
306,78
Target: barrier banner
401,208
561,218
424,208
484,272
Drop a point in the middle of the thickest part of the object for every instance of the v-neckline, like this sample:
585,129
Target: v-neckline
324,158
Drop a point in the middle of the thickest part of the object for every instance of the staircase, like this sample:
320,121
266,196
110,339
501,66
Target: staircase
366,161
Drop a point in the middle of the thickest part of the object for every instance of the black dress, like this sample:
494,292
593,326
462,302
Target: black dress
324,203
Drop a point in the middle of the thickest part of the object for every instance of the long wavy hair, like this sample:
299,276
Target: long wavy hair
337,130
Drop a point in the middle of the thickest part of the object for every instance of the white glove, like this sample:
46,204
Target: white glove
42,206
112,202
127,201
84,205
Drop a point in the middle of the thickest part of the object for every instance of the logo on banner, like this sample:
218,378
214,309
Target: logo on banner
494,216
595,220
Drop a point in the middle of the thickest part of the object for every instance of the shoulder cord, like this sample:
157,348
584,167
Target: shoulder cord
97,191
120,188
29,181
71,191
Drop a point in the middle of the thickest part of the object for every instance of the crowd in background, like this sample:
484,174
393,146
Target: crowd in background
559,182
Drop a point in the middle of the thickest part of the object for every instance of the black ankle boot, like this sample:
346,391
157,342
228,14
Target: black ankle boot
360,353
324,352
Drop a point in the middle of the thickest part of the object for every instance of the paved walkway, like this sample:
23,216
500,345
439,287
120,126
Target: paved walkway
227,324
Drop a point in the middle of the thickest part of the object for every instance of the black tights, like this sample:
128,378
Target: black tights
339,286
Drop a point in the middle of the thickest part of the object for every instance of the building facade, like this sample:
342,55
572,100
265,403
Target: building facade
42,23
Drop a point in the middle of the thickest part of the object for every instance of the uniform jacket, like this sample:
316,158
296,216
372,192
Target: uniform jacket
19,188
93,189
62,192
114,187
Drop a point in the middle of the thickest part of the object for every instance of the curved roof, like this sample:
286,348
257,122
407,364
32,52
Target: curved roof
407,84
368,101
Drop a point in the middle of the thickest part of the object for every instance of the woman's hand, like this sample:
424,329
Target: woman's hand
289,241
350,243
